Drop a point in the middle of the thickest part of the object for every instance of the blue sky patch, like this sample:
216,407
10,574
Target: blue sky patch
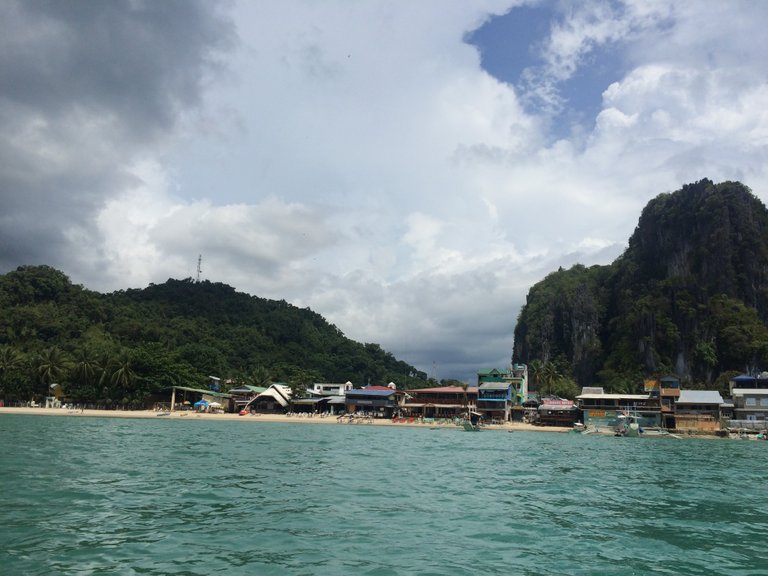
511,48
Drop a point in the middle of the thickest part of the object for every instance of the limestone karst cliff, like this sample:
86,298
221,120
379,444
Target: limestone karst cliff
689,296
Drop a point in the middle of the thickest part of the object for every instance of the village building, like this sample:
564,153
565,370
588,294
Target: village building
243,394
745,381
441,402
275,399
494,401
698,410
669,392
329,389
602,411
555,411
375,401
750,408
501,393
324,397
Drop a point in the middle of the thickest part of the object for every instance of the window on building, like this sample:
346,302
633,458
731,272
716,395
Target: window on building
750,401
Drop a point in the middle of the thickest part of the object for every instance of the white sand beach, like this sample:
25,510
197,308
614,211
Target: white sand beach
190,415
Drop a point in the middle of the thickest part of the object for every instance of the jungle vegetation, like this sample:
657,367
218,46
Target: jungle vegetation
119,349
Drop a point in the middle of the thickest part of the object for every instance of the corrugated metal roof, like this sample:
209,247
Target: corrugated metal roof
367,392
613,397
245,389
446,389
202,391
310,401
700,397
494,386
557,407
489,371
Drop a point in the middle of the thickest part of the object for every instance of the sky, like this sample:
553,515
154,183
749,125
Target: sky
408,170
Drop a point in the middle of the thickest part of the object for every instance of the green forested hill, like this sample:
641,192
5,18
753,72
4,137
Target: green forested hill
689,296
118,348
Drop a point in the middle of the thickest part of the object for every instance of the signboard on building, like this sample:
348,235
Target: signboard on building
652,385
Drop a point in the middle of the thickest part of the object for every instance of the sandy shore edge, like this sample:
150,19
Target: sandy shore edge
510,426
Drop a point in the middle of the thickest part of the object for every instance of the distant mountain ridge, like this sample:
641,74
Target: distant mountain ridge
689,296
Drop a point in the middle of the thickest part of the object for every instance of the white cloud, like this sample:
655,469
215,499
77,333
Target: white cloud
356,159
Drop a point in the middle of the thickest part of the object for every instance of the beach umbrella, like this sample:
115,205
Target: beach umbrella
215,405
201,403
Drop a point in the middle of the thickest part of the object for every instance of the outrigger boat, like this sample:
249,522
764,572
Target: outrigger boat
627,426
472,424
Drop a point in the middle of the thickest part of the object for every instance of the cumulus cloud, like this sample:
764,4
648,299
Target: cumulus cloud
86,90
355,157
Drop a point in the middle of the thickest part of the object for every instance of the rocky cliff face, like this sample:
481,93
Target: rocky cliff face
688,296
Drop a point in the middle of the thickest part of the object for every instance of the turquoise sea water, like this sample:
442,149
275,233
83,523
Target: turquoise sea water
113,496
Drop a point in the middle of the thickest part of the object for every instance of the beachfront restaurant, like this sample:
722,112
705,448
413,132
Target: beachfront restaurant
274,400
440,402
311,405
557,412
602,411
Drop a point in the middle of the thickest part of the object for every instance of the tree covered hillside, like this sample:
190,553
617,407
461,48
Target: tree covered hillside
119,348
689,296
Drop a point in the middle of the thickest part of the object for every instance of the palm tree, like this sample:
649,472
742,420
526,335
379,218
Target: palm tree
52,364
550,376
11,361
535,369
464,387
86,371
10,358
260,377
122,374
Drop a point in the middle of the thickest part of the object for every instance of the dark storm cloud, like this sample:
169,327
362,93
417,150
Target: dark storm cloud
87,88
140,61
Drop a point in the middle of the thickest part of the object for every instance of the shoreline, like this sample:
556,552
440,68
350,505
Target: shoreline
150,414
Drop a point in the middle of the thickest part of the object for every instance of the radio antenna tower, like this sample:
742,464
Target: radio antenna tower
199,269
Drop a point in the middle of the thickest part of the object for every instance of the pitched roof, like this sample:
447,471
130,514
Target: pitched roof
280,392
384,392
494,371
447,389
700,397
246,388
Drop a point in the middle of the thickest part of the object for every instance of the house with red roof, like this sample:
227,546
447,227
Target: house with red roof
441,402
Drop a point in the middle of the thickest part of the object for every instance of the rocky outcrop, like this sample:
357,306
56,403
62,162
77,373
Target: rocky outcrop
688,296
